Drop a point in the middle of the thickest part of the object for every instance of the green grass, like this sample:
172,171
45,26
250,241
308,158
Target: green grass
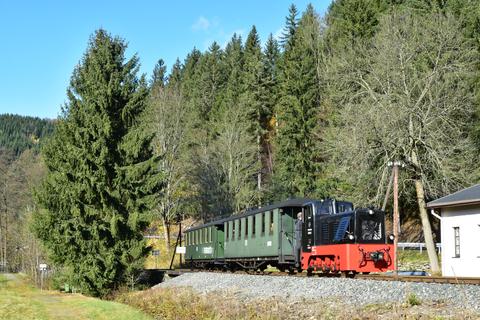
19,300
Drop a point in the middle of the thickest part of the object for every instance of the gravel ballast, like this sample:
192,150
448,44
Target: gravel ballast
350,291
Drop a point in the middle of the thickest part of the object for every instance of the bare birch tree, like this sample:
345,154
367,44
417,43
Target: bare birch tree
410,101
168,119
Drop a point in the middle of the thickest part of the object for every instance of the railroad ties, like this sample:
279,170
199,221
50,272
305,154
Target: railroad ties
377,277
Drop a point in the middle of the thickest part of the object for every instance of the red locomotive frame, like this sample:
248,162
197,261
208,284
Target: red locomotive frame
354,257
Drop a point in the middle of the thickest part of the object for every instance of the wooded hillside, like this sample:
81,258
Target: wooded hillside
19,133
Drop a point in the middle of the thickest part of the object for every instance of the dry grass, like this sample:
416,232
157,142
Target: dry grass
183,303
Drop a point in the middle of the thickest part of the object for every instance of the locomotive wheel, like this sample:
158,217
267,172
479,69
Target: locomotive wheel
309,272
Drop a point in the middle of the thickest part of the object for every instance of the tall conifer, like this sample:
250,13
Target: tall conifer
102,178
296,165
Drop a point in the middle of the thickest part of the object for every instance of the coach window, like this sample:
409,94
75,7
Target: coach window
253,226
210,235
456,232
234,222
263,223
271,222
239,228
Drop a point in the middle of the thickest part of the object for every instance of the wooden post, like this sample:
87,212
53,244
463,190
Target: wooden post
395,214
180,233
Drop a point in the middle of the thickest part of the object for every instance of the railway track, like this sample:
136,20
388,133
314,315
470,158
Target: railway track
377,277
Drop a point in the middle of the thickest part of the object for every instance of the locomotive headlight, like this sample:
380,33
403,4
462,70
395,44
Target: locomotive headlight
371,212
391,237
351,237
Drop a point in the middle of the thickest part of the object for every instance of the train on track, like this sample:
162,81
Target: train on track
332,236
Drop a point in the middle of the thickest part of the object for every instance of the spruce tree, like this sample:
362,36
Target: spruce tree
268,99
251,95
175,77
159,76
102,179
296,160
291,23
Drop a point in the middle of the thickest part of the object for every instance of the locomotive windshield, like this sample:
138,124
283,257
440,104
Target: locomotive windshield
371,227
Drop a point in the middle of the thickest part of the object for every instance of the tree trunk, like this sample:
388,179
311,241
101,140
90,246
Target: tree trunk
165,234
427,229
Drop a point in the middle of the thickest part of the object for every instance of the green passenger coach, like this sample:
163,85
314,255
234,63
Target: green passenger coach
254,239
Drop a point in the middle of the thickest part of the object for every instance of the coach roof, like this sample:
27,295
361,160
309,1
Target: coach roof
296,202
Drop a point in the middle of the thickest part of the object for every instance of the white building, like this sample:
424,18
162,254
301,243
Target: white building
460,232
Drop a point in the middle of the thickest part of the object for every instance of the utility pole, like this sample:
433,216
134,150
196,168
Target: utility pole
396,215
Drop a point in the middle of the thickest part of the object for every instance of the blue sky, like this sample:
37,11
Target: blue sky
42,41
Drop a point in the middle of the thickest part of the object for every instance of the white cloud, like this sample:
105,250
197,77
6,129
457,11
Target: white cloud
278,34
202,23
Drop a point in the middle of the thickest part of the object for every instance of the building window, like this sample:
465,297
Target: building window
253,226
456,232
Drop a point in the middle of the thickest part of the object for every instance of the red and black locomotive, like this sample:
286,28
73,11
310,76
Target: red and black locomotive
338,238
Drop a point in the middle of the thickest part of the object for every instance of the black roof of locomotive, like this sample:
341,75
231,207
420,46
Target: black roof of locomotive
296,202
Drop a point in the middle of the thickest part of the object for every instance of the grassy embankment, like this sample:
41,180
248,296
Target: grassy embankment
19,300
184,303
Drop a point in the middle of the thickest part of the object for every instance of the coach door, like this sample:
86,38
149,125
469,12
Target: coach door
287,234
307,236
220,240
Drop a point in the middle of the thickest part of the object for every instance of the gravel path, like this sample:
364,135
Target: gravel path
352,291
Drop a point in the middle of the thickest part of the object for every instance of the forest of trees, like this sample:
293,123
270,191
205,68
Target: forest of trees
19,133
21,169
317,113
